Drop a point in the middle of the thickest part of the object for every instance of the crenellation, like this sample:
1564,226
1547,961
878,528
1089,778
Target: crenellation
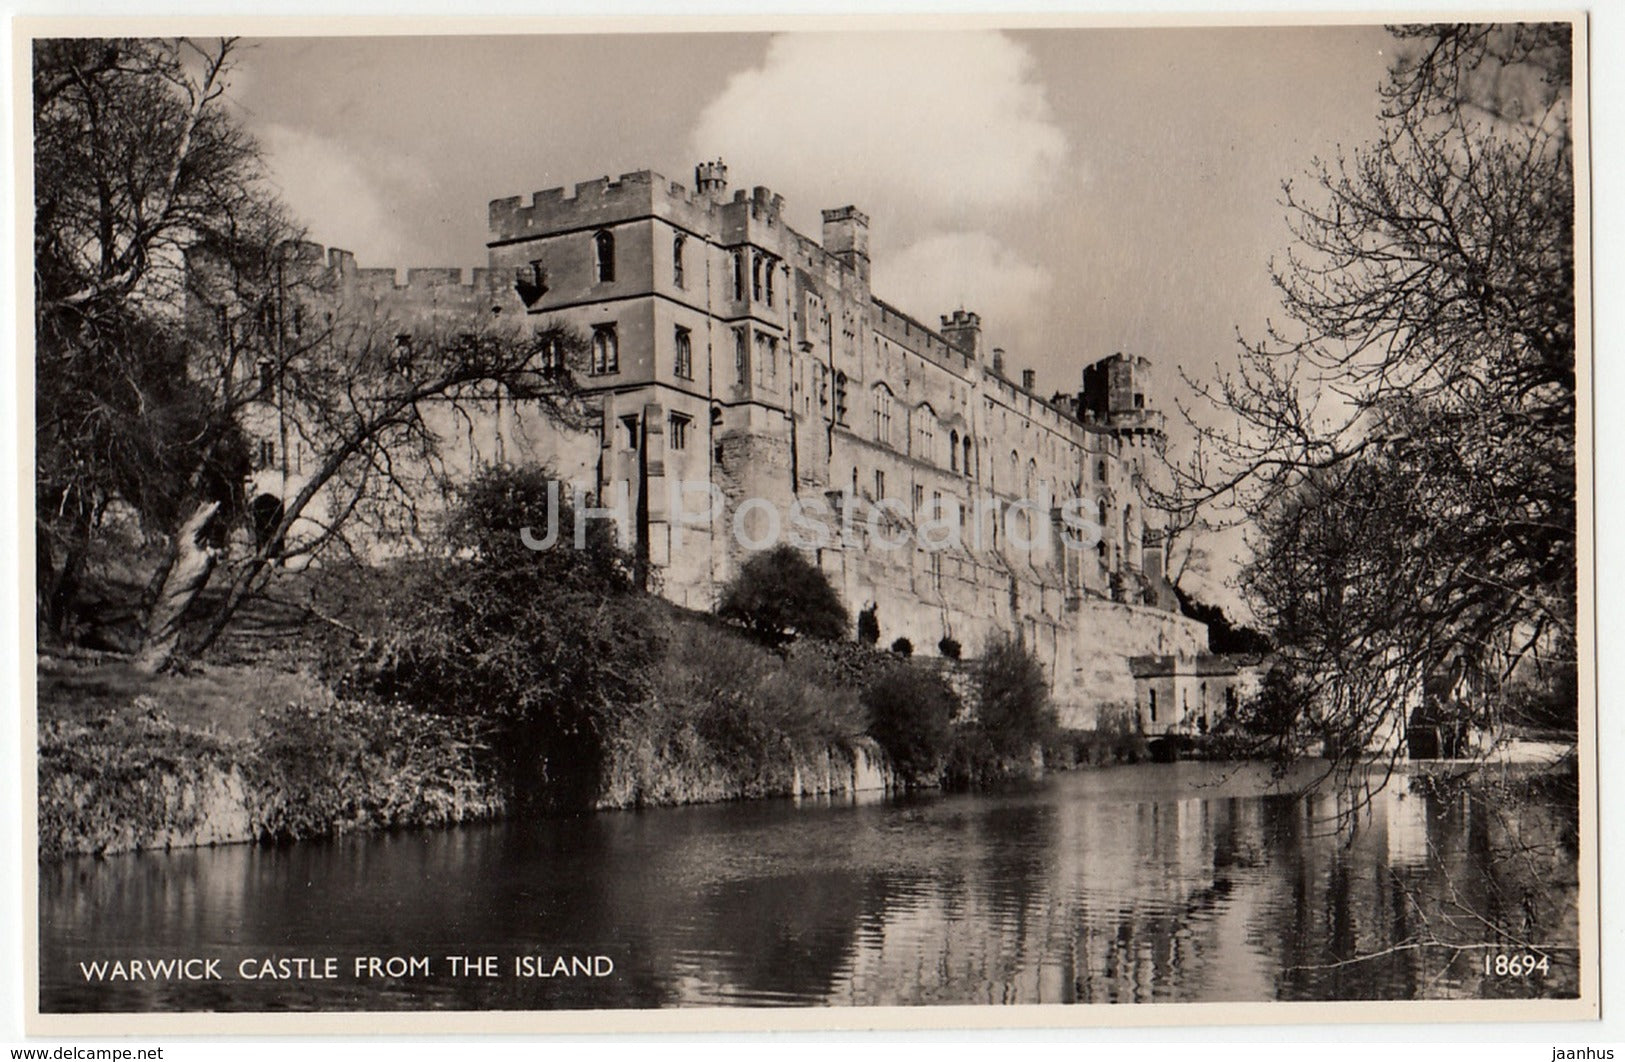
811,385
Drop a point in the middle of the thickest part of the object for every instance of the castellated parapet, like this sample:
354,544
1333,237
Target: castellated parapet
729,350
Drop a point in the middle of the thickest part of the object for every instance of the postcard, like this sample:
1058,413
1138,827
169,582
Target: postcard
822,523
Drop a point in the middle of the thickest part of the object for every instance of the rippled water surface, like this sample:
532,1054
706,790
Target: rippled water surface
1191,882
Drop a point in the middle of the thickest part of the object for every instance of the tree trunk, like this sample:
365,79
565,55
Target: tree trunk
190,563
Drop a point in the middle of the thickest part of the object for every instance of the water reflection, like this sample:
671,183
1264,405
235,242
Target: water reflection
1188,882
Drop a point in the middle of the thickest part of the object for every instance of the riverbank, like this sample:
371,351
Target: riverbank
131,762
242,754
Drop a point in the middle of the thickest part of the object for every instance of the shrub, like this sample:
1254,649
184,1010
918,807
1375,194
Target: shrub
323,769
903,647
779,593
548,644
745,702
1014,717
911,713
1015,710
949,648
849,665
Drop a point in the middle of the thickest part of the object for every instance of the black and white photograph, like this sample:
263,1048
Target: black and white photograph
1063,519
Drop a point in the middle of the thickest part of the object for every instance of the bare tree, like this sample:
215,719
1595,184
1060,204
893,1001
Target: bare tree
176,316
1405,440
135,161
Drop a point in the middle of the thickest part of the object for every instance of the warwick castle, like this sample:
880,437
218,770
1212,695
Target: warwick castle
728,349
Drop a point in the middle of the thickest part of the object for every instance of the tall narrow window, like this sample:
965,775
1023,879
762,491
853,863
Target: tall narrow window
768,281
967,455
552,356
631,426
603,250
685,354
883,415
677,259
677,436
880,484
606,350
756,277
741,356
739,276
953,451
767,358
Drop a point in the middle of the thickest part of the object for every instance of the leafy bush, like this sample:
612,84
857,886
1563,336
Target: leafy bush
903,647
949,648
779,593
1015,710
316,770
550,645
848,665
1014,717
744,702
911,711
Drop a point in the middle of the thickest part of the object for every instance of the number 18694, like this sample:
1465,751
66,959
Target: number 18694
1521,965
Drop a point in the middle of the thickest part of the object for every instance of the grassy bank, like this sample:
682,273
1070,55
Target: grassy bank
487,678
129,761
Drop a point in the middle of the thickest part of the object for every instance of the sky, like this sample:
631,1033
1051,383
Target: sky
1086,191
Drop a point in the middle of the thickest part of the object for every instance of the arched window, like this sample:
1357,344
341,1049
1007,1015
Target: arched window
739,276
756,277
967,455
1127,513
1100,471
840,398
677,259
683,347
883,415
1100,513
925,442
603,252
606,350
953,451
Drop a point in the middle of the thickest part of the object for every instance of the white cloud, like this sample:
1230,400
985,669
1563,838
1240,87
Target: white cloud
973,270
923,131
337,196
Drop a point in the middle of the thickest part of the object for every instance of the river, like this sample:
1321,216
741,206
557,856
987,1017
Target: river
1168,882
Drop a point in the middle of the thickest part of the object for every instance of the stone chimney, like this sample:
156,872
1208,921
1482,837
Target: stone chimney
963,331
711,180
846,236
1029,379
998,361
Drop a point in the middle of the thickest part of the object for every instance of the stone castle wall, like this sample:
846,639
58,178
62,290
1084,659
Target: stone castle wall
799,385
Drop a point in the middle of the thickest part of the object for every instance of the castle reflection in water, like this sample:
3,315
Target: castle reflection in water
1178,882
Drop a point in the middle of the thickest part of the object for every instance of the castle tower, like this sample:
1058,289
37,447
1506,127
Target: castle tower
846,236
711,180
963,330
